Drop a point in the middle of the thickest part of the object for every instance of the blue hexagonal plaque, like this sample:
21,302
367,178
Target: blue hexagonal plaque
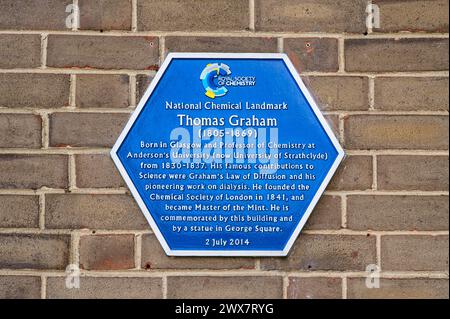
227,154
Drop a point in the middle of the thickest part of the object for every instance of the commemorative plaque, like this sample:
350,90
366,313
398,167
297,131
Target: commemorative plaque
227,154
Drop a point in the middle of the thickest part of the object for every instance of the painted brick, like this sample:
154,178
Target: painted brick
142,83
20,51
413,16
106,288
415,288
76,211
99,91
20,287
33,171
397,212
97,171
103,52
19,211
154,257
311,16
385,55
34,251
248,287
326,252
314,288
221,44
427,173
326,215
396,132
336,93
107,252
419,253
313,54
411,93
105,15
354,173
34,90
20,130
192,15
86,129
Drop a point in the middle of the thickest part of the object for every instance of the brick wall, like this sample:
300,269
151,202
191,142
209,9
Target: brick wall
65,95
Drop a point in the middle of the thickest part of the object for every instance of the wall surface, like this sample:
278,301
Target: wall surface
66,93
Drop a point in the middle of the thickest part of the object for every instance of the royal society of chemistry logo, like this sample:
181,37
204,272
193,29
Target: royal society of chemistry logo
216,77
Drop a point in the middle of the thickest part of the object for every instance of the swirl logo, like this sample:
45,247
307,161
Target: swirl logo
210,76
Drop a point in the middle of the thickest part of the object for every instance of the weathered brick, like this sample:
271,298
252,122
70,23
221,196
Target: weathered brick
34,251
415,288
86,129
105,14
413,16
20,287
314,288
396,132
33,171
154,257
34,90
142,83
428,173
248,287
411,93
97,171
192,15
20,51
414,253
106,288
384,55
313,54
107,252
19,211
326,214
76,211
311,16
333,121
222,44
397,212
326,252
354,173
102,91
20,130
103,52
348,93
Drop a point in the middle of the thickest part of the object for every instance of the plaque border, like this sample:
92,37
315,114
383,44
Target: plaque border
316,110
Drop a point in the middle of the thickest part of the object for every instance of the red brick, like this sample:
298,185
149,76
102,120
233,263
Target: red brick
242,287
103,52
396,132
19,211
105,15
422,172
354,173
23,90
20,130
314,288
154,257
107,252
386,55
142,83
192,15
97,91
76,211
397,212
313,54
34,251
20,287
86,129
421,253
20,51
97,171
33,171
326,252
